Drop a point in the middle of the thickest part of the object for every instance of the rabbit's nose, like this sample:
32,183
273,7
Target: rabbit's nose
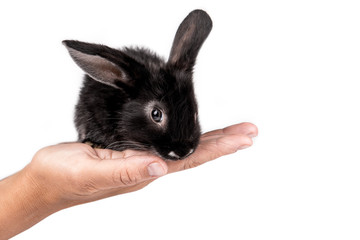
180,154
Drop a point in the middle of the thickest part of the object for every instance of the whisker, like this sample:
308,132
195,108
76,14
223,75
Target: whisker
123,145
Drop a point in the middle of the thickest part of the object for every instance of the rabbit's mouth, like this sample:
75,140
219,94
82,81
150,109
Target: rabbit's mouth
174,155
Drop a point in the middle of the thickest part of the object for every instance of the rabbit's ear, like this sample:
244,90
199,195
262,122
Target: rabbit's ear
189,37
104,64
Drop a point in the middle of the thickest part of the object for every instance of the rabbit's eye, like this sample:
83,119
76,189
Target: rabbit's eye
156,115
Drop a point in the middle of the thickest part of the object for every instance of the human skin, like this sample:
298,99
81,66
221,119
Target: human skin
70,174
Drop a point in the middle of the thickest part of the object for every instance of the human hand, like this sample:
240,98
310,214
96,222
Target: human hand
216,144
75,173
68,174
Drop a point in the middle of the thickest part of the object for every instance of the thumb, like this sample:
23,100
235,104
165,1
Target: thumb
113,173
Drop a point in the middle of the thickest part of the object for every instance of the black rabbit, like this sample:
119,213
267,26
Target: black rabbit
133,99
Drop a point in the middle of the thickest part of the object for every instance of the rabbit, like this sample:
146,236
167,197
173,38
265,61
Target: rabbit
134,99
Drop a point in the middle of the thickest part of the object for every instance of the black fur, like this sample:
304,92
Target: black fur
122,87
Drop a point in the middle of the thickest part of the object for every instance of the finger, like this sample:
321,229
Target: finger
218,147
209,150
124,172
107,154
245,128
111,154
131,153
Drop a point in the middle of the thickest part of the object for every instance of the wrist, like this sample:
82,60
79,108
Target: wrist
44,193
39,193
24,201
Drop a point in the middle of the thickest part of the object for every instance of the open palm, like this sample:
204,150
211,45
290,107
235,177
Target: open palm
83,174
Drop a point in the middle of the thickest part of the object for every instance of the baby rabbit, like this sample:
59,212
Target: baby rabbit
133,99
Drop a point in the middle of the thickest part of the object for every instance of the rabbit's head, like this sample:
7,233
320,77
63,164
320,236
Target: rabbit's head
157,109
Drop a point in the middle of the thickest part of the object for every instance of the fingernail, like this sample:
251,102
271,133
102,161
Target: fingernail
156,170
243,147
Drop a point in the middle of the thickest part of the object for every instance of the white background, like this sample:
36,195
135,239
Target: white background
290,67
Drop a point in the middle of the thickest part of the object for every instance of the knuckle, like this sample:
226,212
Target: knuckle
88,187
82,185
191,163
125,177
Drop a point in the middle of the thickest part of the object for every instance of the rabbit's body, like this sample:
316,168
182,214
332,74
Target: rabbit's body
133,99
